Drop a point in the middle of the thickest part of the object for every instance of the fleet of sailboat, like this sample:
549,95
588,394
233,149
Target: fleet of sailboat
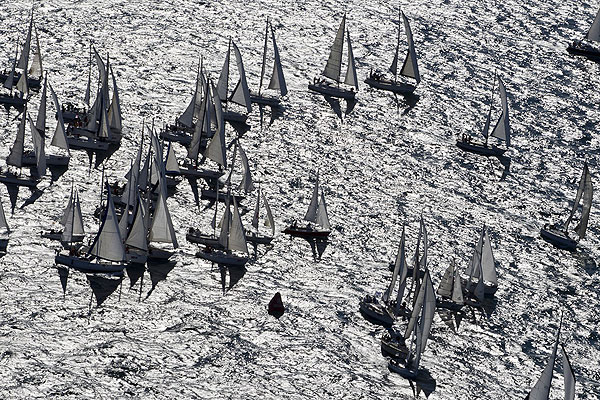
136,225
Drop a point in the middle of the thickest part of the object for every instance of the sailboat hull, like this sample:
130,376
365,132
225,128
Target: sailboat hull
52,235
85,143
394,346
232,116
399,368
156,254
307,232
480,148
176,136
11,179
3,246
32,83
259,239
200,173
376,313
448,304
333,91
585,51
195,236
210,194
558,239
390,86
51,160
222,258
264,100
9,100
84,265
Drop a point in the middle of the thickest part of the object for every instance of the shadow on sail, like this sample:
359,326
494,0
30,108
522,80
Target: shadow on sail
158,272
103,285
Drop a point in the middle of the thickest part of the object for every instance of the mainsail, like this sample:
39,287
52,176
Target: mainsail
277,78
108,244
334,62
594,32
73,224
311,214
541,390
410,67
584,190
502,128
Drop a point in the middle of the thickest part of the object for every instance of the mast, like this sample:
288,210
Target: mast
264,59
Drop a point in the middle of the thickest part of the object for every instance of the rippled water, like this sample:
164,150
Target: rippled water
384,164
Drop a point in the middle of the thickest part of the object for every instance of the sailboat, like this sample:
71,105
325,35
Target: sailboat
387,311
107,253
483,278
417,331
241,94
333,69
4,226
15,158
277,81
232,238
72,222
16,99
500,131
541,389
560,237
317,215
588,47
255,236
30,76
409,69
450,289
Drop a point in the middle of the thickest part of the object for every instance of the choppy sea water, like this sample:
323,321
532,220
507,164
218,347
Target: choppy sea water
384,164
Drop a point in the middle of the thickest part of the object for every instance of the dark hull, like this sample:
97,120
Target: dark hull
51,160
232,116
195,236
591,53
306,232
209,194
480,148
265,100
11,179
32,83
84,143
200,173
258,239
376,313
394,347
58,236
558,239
84,265
3,246
394,87
8,101
332,91
222,258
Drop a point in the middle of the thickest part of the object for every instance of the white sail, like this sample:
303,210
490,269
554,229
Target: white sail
488,264
38,147
68,210
40,122
138,234
246,183
311,214
124,221
224,77
22,85
569,376
216,148
24,59
187,118
428,310
594,31
334,62
474,265
457,293
390,288
256,214
410,67
417,307
15,158
172,165
104,131
114,112
269,222
73,225
584,190
3,223
241,95
161,229
237,236
541,389
225,223
447,282
108,244
502,128
36,66
194,147
277,78
322,218
403,272
479,290
60,138
351,78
